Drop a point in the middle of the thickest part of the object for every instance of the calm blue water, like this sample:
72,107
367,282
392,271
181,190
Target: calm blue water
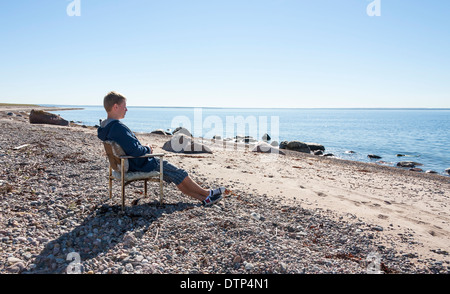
421,134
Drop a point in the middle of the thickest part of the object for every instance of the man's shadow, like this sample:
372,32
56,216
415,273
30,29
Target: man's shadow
104,229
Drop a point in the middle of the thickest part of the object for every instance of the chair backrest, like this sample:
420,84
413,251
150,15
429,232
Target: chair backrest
114,151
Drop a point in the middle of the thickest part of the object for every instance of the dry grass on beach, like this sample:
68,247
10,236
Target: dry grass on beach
295,213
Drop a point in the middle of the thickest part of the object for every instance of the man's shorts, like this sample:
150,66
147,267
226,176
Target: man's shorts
171,173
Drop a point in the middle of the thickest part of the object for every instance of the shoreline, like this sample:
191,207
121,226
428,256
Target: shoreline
401,213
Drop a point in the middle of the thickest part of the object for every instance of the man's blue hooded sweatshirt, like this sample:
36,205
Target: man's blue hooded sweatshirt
114,130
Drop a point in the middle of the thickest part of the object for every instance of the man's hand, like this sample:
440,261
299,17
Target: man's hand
151,149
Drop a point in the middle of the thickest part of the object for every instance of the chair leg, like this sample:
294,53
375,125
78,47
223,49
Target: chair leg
145,188
123,183
110,182
161,192
123,196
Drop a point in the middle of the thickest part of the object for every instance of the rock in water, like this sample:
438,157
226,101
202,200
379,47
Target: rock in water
408,164
43,117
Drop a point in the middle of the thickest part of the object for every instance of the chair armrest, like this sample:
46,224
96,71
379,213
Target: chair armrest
143,156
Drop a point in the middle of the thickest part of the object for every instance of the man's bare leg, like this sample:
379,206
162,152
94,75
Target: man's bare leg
191,188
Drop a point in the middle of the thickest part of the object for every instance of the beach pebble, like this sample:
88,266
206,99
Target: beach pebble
377,228
257,216
129,267
248,266
13,260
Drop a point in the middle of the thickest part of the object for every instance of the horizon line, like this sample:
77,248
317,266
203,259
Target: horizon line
225,107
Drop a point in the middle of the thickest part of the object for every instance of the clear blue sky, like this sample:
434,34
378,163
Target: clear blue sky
227,53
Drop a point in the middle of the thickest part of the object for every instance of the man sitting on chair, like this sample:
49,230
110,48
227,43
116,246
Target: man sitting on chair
112,129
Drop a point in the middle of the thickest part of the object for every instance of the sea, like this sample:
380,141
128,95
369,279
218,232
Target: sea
419,135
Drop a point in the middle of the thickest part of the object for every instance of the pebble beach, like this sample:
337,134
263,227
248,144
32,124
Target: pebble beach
293,214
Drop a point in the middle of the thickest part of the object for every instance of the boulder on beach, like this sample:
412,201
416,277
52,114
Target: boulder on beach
181,143
43,117
249,139
295,146
447,171
266,137
315,146
181,130
264,147
161,132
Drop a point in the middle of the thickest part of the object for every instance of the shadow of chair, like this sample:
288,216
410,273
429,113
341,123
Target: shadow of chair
118,170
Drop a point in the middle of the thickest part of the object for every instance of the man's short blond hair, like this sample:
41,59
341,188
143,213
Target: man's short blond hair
112,98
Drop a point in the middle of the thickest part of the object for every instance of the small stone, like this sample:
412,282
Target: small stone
283,267
229,242
129,267
13,260
248,266
237,259
377,228
21,239
16,268
129,240
256,216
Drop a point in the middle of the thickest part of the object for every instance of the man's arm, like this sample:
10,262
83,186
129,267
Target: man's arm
128,141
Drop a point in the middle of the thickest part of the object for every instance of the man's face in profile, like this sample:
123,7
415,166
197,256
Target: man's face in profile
122,109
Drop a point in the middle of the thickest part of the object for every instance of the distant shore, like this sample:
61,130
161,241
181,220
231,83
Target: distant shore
29,107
